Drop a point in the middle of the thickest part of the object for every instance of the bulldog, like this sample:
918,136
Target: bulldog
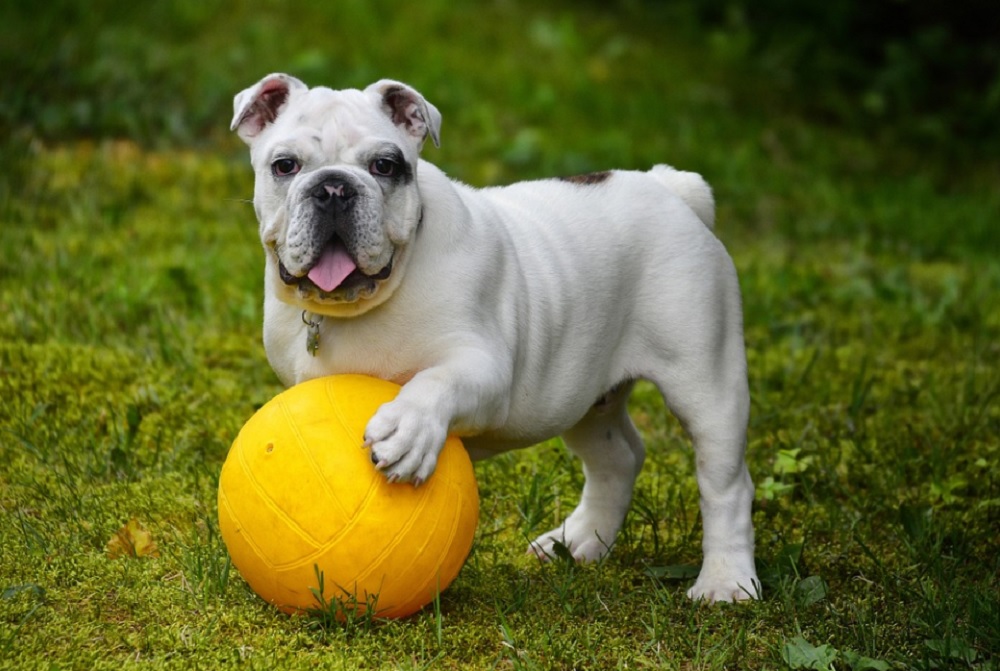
509,315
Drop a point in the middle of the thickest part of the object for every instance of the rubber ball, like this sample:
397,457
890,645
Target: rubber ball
311,524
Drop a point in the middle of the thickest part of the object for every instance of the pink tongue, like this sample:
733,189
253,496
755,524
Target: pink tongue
333,267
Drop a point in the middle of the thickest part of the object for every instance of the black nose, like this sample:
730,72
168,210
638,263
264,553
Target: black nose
332,192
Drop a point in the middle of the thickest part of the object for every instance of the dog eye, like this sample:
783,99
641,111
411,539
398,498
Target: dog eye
383,167
284,167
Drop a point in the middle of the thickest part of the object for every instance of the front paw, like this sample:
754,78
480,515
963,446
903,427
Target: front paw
405,441
588,534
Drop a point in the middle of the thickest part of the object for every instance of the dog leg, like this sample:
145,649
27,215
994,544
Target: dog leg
464,395
726,496
612,453
710,396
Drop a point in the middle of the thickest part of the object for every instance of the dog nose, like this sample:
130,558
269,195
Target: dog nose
332,191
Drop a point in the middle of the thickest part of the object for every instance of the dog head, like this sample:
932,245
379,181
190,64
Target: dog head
336,190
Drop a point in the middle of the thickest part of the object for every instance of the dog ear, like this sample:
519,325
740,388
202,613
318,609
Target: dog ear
407,108
259,105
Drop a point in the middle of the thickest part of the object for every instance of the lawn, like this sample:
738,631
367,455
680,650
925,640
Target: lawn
130,349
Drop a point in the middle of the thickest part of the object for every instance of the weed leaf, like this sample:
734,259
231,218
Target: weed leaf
859,662
810,590
801,654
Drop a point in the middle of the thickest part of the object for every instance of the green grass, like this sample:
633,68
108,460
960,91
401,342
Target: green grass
130,351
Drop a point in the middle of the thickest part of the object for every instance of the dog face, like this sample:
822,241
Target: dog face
336,187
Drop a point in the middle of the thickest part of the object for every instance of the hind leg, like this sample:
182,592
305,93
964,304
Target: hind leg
612,453
697,358
709,395
726,496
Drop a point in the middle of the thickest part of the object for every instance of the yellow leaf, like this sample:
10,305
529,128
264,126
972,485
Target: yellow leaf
132,540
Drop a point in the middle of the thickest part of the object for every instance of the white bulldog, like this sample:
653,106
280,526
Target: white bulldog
508,315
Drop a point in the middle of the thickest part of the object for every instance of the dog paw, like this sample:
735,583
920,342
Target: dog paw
587,539
405,442
719,581
547,546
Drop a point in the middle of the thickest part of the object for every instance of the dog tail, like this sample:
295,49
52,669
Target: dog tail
691,188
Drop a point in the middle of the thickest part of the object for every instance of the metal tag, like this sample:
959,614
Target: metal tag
312,332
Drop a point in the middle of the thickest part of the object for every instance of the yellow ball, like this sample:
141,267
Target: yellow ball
298,496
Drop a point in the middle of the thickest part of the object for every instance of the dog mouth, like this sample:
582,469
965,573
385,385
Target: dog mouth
334,272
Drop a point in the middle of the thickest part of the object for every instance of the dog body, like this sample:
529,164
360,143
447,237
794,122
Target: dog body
508,315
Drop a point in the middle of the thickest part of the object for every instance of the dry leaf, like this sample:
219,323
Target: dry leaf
132,540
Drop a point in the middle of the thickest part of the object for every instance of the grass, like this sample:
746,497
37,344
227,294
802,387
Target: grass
130,351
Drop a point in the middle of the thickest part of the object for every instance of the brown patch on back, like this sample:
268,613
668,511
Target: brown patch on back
589,178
